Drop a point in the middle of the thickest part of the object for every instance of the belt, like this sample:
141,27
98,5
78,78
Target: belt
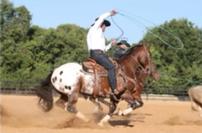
96,50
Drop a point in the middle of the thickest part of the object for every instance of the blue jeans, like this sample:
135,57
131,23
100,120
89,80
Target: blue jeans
102,59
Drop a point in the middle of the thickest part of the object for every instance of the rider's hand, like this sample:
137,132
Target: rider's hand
113,42
113,12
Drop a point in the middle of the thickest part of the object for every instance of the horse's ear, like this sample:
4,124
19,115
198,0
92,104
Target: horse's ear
146,44
142,42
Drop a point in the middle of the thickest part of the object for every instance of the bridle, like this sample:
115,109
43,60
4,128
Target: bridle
140,65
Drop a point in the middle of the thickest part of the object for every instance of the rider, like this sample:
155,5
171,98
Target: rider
122,48
97,47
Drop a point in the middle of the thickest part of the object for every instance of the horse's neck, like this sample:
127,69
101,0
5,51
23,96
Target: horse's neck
130,63
138,58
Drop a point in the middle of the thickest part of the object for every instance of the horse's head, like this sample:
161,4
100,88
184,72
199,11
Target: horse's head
148,67
139,58
153,72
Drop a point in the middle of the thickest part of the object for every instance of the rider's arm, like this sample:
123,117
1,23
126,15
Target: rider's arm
101,19
108,46
113,42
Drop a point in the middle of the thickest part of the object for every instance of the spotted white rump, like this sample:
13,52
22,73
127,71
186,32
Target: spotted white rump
89,82
65,77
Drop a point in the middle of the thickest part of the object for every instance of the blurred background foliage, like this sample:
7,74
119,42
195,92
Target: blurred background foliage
28,52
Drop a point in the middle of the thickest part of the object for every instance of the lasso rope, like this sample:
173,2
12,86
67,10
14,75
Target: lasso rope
121,30
133,19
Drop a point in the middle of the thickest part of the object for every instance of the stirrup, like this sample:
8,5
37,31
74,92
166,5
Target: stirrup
116,92
113,97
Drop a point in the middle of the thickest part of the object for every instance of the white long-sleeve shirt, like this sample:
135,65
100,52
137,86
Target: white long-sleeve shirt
95,36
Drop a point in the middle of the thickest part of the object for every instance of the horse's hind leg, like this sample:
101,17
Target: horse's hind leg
62,101
98,105
200,111
71,107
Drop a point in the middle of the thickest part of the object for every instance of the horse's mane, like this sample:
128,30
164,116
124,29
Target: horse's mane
130,51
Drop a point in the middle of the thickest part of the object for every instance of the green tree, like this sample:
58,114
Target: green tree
176,48
29,53
15,23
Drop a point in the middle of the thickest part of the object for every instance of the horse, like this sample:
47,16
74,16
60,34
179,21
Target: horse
195,95
134,97
90,80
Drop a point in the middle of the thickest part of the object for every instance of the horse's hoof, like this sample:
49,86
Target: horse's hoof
200,115
86,120
100,124
104,120
97,110
120,113
82,117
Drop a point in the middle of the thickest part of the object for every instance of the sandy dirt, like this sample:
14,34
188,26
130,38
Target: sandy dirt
21,114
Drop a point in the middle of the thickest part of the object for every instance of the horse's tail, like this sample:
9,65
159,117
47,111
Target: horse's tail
44,92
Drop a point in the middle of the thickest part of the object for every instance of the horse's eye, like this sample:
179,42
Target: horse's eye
147,70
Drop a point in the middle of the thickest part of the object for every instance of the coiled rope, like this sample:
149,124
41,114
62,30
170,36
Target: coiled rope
138,19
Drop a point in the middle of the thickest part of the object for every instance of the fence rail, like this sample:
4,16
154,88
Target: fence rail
146,96
20,91
27,88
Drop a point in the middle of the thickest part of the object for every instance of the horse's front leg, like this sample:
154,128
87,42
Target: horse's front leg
112,108
71,107
134,101
132,106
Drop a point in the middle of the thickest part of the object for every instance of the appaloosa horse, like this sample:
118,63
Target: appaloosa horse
70,80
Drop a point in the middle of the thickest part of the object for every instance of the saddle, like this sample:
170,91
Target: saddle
91,66
99,72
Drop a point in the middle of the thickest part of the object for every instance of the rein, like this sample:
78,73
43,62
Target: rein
128,78
139,64
149,60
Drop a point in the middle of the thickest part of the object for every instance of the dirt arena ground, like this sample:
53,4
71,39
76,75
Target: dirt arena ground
21,114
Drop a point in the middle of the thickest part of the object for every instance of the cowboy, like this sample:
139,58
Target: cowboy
97,47
122,48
